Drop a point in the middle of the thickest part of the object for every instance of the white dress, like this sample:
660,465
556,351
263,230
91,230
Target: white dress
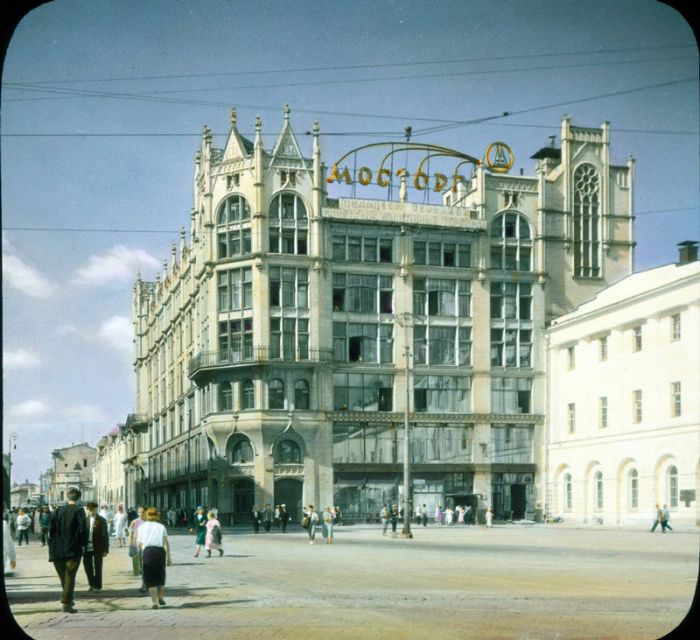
120,524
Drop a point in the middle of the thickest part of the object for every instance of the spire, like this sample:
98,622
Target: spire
258,130
287,111
234,118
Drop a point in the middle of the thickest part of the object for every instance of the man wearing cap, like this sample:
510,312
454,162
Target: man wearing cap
284,517
97,547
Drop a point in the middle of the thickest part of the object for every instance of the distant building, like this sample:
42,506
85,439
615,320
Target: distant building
279,352
72,467
623,415
25,494
110,485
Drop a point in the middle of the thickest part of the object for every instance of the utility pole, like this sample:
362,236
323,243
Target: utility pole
405,320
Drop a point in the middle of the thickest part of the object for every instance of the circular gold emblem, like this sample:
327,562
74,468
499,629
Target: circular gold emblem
499,157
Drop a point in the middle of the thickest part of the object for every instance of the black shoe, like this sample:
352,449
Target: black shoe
68,608
155,606
221,552
143,590
161,602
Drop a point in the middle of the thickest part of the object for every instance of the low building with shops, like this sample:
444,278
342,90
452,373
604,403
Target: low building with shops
289,340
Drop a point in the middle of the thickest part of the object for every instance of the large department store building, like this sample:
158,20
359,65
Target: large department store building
288,339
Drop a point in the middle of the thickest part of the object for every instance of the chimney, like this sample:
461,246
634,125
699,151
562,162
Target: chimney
687,252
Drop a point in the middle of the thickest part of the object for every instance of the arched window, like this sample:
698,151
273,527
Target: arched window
276,394
288,224
241,452
633,489
287,452
586,222
598,479
233,227
301,394
672,487
511,243
568,501
247,395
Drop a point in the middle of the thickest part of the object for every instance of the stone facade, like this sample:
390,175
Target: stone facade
623,402
284,346
72,467
110,471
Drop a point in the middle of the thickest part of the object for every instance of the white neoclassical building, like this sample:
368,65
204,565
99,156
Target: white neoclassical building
623,409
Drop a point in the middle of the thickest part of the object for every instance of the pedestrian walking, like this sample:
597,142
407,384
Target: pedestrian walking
257,516
107,513
460,515
97,547
424,515
489,517
338,516
170,517
309,522
328,521
22,526
44,521
214,537
449,516
8,547
658,518
154,545
67,539
284,517
665,517
384,515
267,518
394,518
120,525
199,528
438,514
134,551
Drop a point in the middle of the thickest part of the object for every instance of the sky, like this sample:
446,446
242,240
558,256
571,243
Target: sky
103,104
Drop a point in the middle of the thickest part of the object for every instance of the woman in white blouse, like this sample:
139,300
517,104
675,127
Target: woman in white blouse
153,541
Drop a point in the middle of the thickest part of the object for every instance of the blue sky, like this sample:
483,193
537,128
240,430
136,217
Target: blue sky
103,104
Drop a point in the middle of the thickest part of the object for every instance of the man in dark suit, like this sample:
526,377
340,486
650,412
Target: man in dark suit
97,546
67,539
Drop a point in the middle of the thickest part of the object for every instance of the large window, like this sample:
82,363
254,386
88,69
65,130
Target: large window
288,225
586,222
441,394
289,287
247,395
362,247
287,452
233,227
236,340
225,397
363,392
241,452
234,289
289,338
363,293
361,443
359,342
301,394
441,345
511,243
511,346
275,398
511,300
510,395
672,487
439,297
442,253
443,443
511,443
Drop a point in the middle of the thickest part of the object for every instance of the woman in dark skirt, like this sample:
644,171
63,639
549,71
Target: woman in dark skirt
153,541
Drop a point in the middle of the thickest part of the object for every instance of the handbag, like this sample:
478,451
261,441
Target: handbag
305,522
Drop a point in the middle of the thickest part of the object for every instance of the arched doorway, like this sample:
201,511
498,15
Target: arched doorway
242,495
288,491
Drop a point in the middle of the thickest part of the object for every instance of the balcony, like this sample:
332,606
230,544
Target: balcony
136,422
255,355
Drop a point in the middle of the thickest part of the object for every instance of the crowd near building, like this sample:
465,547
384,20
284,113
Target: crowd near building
290,337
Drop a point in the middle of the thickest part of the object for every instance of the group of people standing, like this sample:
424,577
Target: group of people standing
267,517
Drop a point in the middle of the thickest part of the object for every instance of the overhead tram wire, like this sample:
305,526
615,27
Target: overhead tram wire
548,55
152,95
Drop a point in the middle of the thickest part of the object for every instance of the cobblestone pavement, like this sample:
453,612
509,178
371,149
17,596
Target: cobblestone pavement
513,581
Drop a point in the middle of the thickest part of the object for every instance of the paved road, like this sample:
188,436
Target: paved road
513,581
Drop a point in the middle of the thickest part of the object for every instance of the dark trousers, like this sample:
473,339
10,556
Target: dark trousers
267,525
93,569
284,526
22,534
67,568
44,536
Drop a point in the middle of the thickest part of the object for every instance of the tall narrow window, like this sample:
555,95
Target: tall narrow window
672,487
511,243
637,338
571,357
586,222
571,417
603,348
603,419
633,490
233,227
301,394
675,327
247,395
567,492
276,394
598,479
637,406
675,399
289,224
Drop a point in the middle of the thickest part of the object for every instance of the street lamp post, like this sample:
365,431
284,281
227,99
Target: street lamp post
405,320
11,443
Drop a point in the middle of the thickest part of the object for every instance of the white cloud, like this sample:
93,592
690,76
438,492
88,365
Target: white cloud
20,359
30,410
25,278
119,264
84,412
117,332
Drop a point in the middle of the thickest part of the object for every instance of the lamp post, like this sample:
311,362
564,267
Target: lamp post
405,320
11,444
